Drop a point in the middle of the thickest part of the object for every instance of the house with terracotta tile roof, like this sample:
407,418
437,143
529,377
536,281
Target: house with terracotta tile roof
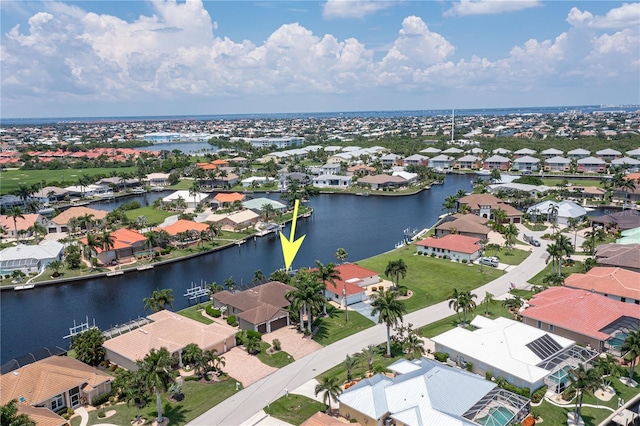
185,232
616,283
172,331
22,224
228,198
262,308
382,181
126,243
42,416
352,285
234,221
463,224
59,223
625,256
588,318
54,383
452,246
483,205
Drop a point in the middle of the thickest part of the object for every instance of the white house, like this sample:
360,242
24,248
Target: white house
526,163
441,161
332,181
30,258
255,180
191,200
566,210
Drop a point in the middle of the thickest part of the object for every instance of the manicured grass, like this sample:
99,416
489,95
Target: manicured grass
195,313
360,370
294,409
575,182
431,280
334,327
575,268
512,257
535,226
276,360
11,179
153,215
436,328
199,397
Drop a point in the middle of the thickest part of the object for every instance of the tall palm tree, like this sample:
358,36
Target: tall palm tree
488,300
510,235
159,300
449,203
157,375
341,254
396,269
230,284
297,300
413,346
369,354
573,223
389,310
631,346
627,185
330,387
565,247
350,362
193,191
90,247
86,221
326,274
9,415
583,380
466,304
15,213
554,255
454,302
267,211
106,240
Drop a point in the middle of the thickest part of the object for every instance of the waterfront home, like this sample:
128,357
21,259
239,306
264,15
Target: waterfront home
190,200
236,221
263,308
525,356
584,193
30,258
382,181
501,151
421,392
578,153
50,194
256,205
514,187
608,154
634,153
615,283
463,224
460,248
565,210
54,383
331,169
526,163
524,152
360,170
185,232
119,183
625,219
332,181
302,179
483,205
551,153
172,331
225,199
252,181
431,151
591,165
617,255
238,161
468,162
557,164
277,142
630,165
590,319
60,222
442,161
126,244
416,160
391,160
92,190
22,224
351,287
158,179
9,200
496,162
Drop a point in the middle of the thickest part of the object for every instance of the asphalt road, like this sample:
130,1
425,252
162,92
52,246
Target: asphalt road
247,402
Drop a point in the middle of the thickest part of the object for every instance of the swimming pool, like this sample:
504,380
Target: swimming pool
617,339
499,416
561,376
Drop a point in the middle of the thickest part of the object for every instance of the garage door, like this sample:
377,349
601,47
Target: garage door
262,328
279,323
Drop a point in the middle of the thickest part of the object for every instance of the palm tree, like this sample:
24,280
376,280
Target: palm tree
341,255
230,284
326,275
267,211
454,300
555,254
631,346
9,415
466,304
258,276
413,346
552,214
330,386
495,175
214,288
389,310
37,230
499,217
510,235
214,230
396,269
369,354
350,362
193,191
159,300
86,221
583,380
513,303
56,265
157,375
488,300
573,223
589,263
565,247
106,240
449,203
15,213
627,185
297,302
90,248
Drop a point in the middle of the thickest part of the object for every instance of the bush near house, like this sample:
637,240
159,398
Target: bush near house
441,356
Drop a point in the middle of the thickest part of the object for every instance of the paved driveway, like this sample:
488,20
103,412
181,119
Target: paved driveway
245,368
293,342
364,309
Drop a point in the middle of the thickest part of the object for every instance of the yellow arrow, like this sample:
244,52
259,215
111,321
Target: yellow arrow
289,246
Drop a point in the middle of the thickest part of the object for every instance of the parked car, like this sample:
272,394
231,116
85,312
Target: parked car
490,261
535,243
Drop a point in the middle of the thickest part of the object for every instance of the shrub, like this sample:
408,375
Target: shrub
488,375
101,414
569,393
433,255
191,379
210,310
441,356
469,366
403,291
538,394
231,320
101,399
277,345
251,334
464,260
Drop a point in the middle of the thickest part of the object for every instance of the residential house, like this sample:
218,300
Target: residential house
460,248
382,181
277,142
524,152
411,178
590,319
50,194
468,162
256,205
617,255
483,205
501,151
285,179
54,383
514,187
616,283
421,392
557,164
323,419
551,153
577,154
431,151
225,199
185,232
608,154
442,161
92,190
463,224
391,160
30,258
60,222
526,163
238,161
625,219
331,169
351,287
28,220
476,151
332,181
634,153
630,236
191,200
252,181
262,308
525,356
235,221
630,165
496,162
416,160
172,331
158,179
584,193
453,151
591,165
565,210
126,244
361,170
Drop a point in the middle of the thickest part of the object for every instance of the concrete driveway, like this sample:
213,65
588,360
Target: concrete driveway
293,342
245,368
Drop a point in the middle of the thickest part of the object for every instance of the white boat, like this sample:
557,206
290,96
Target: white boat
24,287
483,172
138,191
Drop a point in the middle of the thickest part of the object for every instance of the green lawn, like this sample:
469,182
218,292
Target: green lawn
11,179
535,226
495,310
335,327
512,257
431,280
199,397
379,361
154,216
195,313
575,182
294,409
576,268
277,360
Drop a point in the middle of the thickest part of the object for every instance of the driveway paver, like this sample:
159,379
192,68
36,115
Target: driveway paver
293,342
245,368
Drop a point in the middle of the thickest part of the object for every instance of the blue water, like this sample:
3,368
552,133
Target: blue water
324,115
499,416
186,147
363,226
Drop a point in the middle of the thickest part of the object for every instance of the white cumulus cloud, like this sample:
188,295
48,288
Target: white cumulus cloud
340,9
489,7
625,16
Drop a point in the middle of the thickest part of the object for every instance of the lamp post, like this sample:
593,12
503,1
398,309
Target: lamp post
344,300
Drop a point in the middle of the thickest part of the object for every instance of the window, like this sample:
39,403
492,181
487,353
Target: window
57,402
623,299
551,328
539,324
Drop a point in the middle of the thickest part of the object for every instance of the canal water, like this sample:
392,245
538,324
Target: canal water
363,226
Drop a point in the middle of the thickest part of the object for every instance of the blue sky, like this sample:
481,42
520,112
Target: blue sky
120,58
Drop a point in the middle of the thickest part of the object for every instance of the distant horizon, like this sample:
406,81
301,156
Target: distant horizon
508,110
